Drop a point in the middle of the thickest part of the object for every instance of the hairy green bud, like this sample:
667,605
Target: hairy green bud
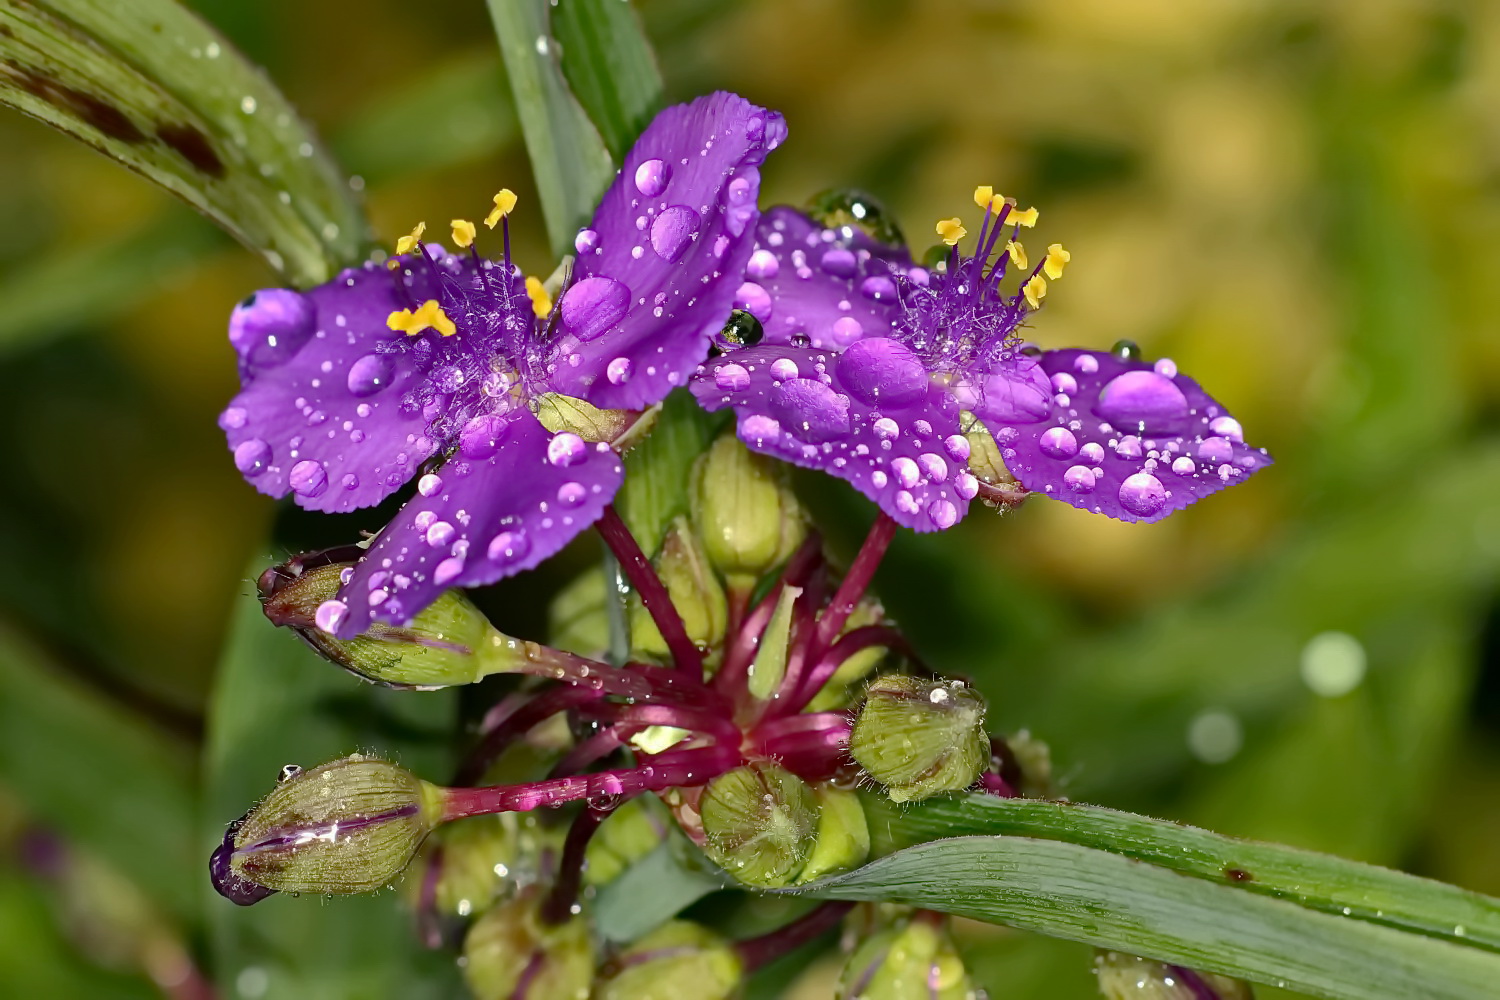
345,827
914,961
758,823
679,960
1126,977
843,837
920,738
477,860
745,512
449,642
695,592
511,952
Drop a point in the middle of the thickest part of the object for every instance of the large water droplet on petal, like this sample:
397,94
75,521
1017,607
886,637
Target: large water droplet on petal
651,177
1058,442
593,306
251,457
1214,450
838,262
732,378
271,326
673,231
370,373
571,494
882,372
330,615
810,410
1142,400
1227,427
566,448
508,546
1143,495
481,436
308,478
619,371
753,299
1018,393
1080,478
943,514
763,265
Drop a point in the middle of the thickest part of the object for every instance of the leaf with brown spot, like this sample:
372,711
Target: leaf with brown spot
151,85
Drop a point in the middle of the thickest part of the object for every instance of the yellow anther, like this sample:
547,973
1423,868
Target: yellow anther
1035,290
541,302
1057,258
408,243
984,196
1022,216
1017,253
951,230
463,232
505,201
429,315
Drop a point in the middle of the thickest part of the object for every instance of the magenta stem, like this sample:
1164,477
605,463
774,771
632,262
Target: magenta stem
855,641
721,729
1200,988
855,583
545,661
683,769
558,906
758,951
642,576
589,752
744,642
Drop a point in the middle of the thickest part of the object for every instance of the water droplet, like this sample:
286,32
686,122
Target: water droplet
619,371
481,436
652,176
783,369
571,494
370,373
1016,393
673,231
288,772
1227,427
754,299
508,546
1215,450
565,449
1058,442
440,533
1142,399
733,378
763,265
1080,479
1183,466
331,615
944,515
907,473
882,372
1166,368
308,478
757,429
1126,350
878,287
1064,383
933,467
847,330
838,262
810,410
592,306
1086,364
271,326
233,418
1143,495
430,484
879,479
1129,447
886,429
447,571
1092,453
966,485
251,457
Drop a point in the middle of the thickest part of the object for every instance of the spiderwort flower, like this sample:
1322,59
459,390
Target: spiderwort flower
873,368
442,366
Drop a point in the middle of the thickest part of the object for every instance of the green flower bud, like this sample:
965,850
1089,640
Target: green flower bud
1126,977
746,514
345,827
694,589
510,948
578,619
629,834
915,961
758,824
920,738
477,859
677,961
449,642
843,838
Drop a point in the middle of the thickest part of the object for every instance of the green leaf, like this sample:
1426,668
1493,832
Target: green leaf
98,775
608,62
1111,901
652,891
570,161
154,87
1317,881
278,703
657,471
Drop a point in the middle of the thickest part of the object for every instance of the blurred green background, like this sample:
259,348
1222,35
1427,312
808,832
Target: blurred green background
1297,202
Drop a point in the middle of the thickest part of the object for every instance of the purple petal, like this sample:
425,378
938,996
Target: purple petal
832,286
478,519
321,414
870,416
1123,438
657,271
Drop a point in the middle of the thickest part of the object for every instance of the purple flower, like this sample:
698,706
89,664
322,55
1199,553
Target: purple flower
433,369
870,362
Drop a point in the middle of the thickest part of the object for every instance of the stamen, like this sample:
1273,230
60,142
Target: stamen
951,230
1057,258
1025,216
463,232
412,240
1035,290
541,302
1017,253
429,315
984,196
505,202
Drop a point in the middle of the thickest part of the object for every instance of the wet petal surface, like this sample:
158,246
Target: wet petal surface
1128,439
867,417
659,265
325,412
510,497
